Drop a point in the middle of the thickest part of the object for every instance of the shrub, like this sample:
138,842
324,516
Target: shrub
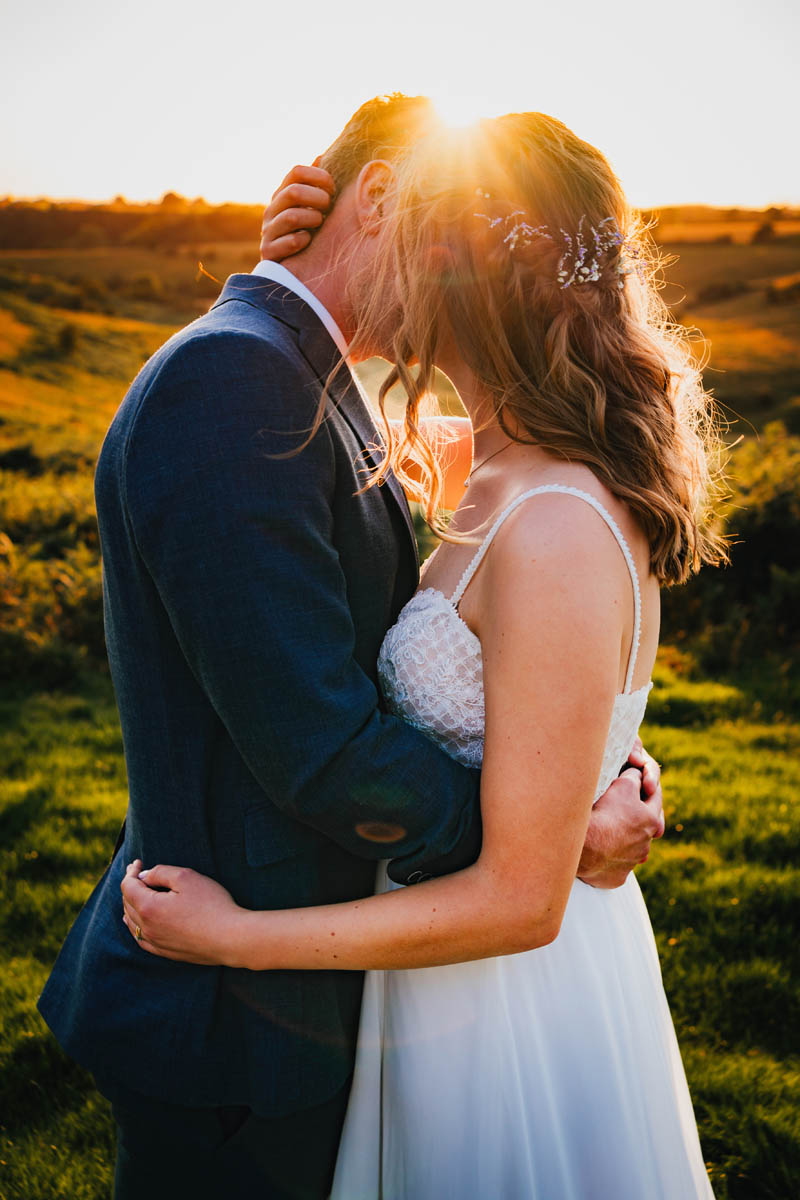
712,293
48,514
51,608
146,286
21,458
97,294
66,340
748,610
51,614
783,291
764,233
42,289
90,235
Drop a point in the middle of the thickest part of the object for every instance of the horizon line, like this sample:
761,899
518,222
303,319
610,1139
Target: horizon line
11,198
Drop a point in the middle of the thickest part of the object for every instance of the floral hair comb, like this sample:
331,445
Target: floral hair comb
582,252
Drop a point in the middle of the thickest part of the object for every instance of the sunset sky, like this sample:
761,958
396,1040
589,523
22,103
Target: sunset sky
692,101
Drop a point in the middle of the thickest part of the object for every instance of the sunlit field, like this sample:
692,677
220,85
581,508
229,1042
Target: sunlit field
723,887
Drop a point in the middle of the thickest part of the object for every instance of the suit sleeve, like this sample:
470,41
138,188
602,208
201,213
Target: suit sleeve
240,546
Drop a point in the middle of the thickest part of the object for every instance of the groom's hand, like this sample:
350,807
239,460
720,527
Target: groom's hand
624,821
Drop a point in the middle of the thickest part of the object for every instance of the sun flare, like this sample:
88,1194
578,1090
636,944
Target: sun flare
458,111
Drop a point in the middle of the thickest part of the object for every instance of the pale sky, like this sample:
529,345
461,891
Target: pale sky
693,101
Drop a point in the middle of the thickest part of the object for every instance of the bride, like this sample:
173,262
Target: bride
515,1038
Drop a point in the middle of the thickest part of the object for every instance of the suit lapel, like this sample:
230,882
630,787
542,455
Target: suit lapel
320,351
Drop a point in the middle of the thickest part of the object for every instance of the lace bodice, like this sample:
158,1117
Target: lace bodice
431,668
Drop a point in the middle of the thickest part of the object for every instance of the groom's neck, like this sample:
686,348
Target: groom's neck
318,269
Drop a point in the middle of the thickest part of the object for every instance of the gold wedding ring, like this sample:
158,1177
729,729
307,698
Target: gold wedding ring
137,933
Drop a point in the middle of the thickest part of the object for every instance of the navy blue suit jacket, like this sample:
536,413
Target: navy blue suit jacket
246,598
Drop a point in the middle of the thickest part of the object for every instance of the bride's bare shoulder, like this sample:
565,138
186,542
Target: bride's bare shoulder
554,586
572,515
560,534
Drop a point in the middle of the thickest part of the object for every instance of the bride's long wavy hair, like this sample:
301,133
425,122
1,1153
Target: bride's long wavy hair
595,372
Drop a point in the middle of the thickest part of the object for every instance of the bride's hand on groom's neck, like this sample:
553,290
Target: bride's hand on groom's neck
296,210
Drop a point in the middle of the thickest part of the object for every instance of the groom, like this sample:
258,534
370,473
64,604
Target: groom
248,586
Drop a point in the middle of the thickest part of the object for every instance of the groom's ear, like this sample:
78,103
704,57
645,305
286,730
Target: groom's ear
373,188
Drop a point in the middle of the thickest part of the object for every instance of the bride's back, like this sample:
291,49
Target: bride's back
490,513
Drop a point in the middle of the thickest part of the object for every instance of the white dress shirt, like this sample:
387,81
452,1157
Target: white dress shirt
278,273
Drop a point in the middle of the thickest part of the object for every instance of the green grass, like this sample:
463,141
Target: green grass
62,799
723,888
723,891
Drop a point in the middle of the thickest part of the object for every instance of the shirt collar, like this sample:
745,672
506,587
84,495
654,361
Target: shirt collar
278,273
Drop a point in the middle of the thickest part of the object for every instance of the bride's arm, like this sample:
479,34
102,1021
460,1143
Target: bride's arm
550,682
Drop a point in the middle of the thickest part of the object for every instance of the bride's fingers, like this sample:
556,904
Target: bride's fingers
298,195
297,208
142,942
284,247
135,897
130,912
308,176
133,925
292,219
289,232
132,887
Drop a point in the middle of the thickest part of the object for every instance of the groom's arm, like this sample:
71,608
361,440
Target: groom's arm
240,546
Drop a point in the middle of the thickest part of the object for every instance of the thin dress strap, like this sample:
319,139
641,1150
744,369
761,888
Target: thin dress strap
564,490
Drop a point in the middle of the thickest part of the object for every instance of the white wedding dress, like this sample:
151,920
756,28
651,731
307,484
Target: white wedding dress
549,1075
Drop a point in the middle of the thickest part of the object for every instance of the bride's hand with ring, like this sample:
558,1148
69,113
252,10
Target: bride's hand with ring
174,912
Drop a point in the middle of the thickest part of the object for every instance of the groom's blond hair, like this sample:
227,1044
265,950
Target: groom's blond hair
383,127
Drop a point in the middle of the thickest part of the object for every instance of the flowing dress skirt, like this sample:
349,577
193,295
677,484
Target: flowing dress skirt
549,1075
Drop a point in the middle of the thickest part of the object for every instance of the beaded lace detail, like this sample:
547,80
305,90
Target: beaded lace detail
431,669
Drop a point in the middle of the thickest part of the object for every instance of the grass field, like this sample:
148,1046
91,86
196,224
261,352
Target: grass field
723,887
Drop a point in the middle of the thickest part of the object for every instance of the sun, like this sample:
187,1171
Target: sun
459,110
